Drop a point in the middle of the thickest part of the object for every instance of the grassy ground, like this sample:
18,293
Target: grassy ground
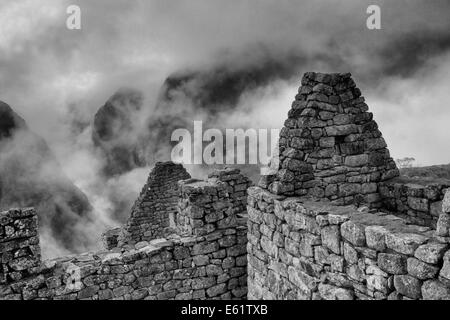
431,172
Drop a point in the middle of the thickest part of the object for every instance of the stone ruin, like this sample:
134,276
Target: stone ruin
152,215
336,221
185,239
154,210
330,146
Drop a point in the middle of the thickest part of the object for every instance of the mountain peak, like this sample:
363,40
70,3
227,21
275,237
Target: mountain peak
126,96
9,120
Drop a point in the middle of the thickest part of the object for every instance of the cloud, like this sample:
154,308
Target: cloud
413,115
254,52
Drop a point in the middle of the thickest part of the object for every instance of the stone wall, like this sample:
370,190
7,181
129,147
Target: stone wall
110,238
334,222
215,204
19,244
443,223
178,268
156,206
330,146
304,249
418,201
192,264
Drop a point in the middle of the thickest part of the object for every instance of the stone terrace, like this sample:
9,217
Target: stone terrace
204,257
334,222
304,249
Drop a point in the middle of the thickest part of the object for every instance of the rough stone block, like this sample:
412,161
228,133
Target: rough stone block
321,255
418,204
357,160
408,286
337,219
327,142
420,269
350,254
445,271
341,130
331,238
353,233
405,243
376,237
88,292
349,189
268,246
392,263
216,290
443,224
336,262
431,252
446,202
297,278
435,290
291,246
306,244
205,247
377,282
329,292
436,208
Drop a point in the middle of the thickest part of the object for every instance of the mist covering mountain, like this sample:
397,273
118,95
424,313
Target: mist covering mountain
30,176
114,125
107,98
209,94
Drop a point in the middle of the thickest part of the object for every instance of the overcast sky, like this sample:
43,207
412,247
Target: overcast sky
50,74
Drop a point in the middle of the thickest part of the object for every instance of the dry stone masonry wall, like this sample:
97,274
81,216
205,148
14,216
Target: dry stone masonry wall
200,262
212,205
419,202
156,206
110,238
19,244
302,249
330,146
334,222
443,223
179,268
302,245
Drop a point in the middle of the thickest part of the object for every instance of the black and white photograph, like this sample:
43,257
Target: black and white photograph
243,151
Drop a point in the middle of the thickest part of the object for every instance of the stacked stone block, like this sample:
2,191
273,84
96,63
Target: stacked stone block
179,268
157,204
330,146
216,204
110,238
301,249
185,265
307,247
419,202
443,223
237,187
19,244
